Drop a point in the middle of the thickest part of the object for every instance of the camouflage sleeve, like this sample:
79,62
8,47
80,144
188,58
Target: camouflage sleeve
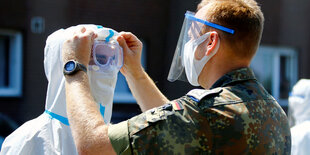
135,135
119,138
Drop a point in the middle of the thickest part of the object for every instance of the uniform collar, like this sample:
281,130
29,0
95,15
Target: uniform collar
241,74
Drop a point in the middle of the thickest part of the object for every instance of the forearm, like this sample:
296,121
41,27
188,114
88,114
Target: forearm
87,125
141,85
145,91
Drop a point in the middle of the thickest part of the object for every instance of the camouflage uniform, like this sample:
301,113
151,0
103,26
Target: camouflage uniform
236,116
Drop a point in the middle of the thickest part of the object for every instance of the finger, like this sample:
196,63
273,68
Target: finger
77,30
122,43
89,33
131,39
94,36
122,70
129,36
83,29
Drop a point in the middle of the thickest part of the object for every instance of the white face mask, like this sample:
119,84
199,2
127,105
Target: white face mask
192,66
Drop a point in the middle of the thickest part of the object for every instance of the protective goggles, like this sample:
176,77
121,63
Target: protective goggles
106,52
192,34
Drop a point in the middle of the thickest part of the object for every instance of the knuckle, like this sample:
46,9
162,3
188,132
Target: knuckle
75,37
84,38
68,41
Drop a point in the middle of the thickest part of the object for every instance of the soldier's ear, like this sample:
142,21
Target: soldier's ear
213,41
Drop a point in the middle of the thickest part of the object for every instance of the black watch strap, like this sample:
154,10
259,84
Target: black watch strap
71,67
82,67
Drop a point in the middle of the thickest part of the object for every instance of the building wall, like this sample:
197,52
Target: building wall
294,31
13,16
157,22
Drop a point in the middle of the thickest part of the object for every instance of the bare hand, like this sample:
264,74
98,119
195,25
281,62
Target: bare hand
132,48
78,45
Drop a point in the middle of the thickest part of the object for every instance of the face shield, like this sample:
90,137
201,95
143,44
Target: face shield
107,55
192,35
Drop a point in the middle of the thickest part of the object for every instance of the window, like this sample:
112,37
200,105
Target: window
277,69
10,63
122,92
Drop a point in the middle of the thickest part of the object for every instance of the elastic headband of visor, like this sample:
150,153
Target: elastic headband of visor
190,15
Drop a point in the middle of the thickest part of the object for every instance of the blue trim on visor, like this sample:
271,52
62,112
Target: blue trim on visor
110,36
99,26
192,17
61,119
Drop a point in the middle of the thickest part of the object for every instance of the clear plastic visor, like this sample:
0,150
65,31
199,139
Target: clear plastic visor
192,29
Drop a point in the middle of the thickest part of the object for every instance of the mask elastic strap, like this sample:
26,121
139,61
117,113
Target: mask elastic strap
205,59
202,38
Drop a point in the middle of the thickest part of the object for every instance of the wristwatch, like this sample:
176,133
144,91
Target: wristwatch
71,67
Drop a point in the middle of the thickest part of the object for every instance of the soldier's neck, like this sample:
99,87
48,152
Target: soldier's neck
215,69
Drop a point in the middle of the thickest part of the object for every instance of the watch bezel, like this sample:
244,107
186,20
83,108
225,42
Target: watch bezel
77,67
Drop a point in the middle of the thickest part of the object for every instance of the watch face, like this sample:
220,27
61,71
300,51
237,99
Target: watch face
70,66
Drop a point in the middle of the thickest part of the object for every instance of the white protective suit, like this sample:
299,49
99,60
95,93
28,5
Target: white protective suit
299,113
50,133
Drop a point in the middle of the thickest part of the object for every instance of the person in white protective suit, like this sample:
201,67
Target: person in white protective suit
50,132
299,114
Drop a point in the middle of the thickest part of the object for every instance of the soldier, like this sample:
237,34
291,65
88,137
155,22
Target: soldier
233,114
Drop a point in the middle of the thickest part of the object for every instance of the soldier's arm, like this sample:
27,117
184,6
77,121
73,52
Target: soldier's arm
141,85
87,125
89,131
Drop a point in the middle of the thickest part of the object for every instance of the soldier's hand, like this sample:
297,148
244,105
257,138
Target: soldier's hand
132,48
78,45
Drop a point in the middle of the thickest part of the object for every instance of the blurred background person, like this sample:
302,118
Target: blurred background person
299,117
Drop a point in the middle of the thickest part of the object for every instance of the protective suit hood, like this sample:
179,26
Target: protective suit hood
50,132
102,83
55,97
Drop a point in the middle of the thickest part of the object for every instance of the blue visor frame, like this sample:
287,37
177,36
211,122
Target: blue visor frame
190,15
